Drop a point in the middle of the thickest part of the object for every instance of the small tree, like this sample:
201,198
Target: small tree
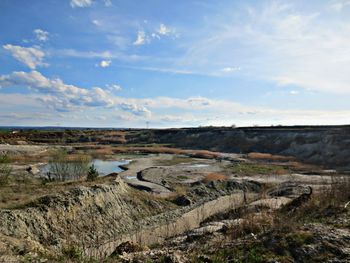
92,173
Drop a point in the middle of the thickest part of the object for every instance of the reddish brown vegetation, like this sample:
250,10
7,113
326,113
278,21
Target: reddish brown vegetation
214,177
269,157
168,150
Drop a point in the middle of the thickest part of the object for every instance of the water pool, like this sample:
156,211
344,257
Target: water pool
104,167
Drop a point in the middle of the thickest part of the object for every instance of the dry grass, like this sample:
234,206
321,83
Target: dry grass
28,158
251,224
175,160
324,206
251,169
214,177
269,157
23,189
205,154
168,150
100,151
180,189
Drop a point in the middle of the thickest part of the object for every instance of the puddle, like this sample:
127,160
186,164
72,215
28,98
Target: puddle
130,177
102,166
107,167
198,165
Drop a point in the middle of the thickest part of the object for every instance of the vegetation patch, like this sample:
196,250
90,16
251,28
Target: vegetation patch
175,160
255,169
5,170
214,177
65,167
182,177
269,157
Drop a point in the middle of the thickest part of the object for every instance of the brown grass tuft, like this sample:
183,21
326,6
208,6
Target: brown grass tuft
214,177
269,157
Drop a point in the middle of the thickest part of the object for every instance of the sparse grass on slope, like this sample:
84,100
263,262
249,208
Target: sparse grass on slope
257,168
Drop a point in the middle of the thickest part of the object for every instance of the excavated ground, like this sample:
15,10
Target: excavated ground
182,202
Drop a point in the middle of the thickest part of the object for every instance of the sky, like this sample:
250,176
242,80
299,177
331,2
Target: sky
166,63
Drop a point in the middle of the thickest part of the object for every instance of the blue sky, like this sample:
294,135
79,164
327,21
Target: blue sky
122,63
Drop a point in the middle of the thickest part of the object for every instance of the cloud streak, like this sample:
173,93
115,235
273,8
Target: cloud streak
140,39
80,3
32,57
61,96
193,111
277,42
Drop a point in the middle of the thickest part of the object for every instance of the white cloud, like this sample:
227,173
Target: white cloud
339,5
199,102
278,42
108,2
57,94
80,3
294,92
171,118
30,56
82,54
154,35
62,97
96,22
93,54
135,109
141,38
163,30
230,69
105,63
41,35
114,87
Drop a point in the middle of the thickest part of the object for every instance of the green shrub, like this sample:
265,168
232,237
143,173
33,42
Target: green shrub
72,253
92,173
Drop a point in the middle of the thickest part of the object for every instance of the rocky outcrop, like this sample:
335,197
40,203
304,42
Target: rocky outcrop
97,219
328,146
80,216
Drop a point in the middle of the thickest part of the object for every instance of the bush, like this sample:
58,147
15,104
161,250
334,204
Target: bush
92,174
72,253
5,169
64,167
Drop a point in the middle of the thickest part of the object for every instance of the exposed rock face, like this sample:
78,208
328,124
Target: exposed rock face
81,216
326,145
99,218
